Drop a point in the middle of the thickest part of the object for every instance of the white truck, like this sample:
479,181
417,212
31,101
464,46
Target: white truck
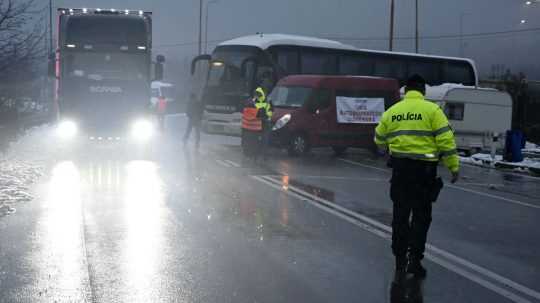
480,117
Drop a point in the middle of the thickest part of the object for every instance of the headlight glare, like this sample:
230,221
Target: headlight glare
67,129
282,122
142,130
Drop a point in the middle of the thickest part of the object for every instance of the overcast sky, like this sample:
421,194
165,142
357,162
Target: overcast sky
176,22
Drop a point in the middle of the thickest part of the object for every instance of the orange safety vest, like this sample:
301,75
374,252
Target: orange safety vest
250,120
162,105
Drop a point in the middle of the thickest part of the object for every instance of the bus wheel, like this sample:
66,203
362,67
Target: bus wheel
339,150
298,145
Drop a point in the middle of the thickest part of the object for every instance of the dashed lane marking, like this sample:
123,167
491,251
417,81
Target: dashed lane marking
234,164
462,267
223,163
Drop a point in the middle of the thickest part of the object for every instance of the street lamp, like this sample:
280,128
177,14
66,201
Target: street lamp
50,27
206,25
200,26
416,27
391,38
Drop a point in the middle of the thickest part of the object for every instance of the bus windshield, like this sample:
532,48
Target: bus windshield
229,75
290,96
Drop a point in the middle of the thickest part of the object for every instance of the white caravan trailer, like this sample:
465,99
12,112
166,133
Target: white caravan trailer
162,89
478,115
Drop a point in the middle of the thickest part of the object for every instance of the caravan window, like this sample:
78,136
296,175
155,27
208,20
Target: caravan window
455,111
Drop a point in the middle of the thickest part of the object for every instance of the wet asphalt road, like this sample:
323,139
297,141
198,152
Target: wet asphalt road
213,226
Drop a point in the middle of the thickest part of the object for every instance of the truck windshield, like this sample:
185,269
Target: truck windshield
290,96
101,66
96,29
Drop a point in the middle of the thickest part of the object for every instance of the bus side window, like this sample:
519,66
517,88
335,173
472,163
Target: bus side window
459,72
390,68
314,61
265,78
288,60
358,65
429,70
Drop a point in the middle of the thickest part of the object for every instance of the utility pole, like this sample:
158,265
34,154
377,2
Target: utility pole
206,25
391,39
416,34
50,27
200,26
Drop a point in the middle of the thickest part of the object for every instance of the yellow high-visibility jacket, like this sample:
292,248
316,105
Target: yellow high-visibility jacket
418,129
261,103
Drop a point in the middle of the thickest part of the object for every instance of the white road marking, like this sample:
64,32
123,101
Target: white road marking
223,163
363,165
233,163
453,186
494,196
433,253
506,172
334,178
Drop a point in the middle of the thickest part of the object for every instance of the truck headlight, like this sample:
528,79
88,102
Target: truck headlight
282,122
142,130
67,129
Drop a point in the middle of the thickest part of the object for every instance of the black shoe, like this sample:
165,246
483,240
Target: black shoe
415,267
400,273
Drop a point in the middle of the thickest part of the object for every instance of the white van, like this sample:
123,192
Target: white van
476,114
162,89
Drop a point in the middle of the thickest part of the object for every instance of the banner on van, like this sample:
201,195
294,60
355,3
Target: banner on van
359,110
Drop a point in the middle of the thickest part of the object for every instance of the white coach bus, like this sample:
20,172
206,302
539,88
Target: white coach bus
238,66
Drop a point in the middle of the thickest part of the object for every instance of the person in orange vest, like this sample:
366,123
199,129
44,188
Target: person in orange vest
256,124
161,110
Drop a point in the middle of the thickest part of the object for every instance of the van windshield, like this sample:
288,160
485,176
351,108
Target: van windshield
290,96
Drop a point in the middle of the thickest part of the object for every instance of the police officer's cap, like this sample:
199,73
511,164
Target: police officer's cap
416,82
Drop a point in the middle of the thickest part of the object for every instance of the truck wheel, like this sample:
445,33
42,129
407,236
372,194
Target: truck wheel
298,145
339,150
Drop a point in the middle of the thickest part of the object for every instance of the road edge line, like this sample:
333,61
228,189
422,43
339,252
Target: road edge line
384,232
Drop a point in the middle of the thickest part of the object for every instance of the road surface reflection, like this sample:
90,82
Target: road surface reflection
143,198
62,267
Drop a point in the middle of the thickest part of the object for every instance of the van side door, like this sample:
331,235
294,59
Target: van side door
323,111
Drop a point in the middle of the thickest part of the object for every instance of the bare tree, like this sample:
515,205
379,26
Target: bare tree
22,34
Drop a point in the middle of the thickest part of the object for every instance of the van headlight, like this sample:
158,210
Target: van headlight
142,130
282,122
67,129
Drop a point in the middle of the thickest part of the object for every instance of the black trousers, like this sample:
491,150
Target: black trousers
410,185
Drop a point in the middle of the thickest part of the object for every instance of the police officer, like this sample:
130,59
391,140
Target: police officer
417,134
265,114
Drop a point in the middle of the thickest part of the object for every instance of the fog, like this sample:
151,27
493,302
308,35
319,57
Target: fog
360,23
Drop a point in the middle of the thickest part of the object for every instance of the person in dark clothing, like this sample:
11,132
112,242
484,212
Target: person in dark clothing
194,113
416,143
